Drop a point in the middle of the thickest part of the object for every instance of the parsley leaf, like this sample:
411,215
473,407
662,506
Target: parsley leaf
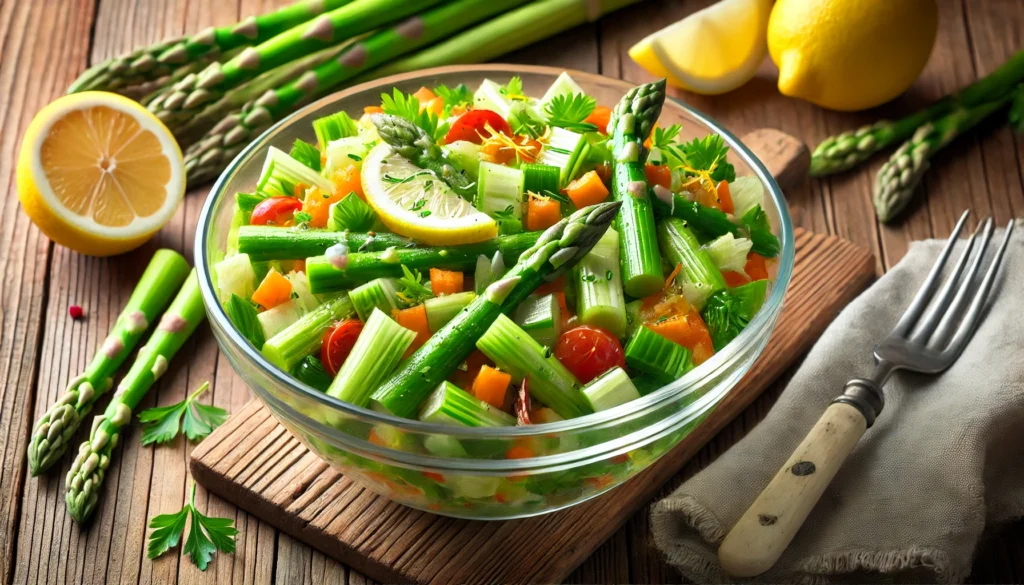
199,419
724,317
407,106
570,111
302,217
707,154
522,122
760,231
665,137
513,89
454,96
413,291
207,534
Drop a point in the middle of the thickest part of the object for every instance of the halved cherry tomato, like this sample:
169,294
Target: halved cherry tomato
588,352
472,126
337,344
275,211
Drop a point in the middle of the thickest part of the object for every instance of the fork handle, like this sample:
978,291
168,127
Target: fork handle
764,531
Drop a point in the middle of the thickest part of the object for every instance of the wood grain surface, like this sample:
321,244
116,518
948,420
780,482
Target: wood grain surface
44,44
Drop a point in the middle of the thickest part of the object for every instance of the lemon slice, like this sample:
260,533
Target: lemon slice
98,173
415,203
711,51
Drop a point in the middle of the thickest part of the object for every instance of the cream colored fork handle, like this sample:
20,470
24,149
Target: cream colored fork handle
769,525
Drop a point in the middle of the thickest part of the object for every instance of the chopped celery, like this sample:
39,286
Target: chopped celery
500,195
303,337
473,486
610,389
351,213
344,152
652,354
278,318
747,193
282,174
541,318
490,97
487,271
633,316
600,301
751,296
310,371
563,85
244,317
235,275
380,293
452,405
514,351
375,354
334,127
306,154
563,150
247,202
698,274
444,446
305,299
729,252
442,309
466,156
540,178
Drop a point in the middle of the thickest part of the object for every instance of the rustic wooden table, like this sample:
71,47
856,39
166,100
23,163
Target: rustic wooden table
44,44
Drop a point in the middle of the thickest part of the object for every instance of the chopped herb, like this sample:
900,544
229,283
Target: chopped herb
418,205
390,179
513,89
707,154
569,112
589,278
302,217
413,292
425,213
608,275
558,150
355,157
460,95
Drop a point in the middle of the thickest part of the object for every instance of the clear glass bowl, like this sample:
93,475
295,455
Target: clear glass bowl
468,472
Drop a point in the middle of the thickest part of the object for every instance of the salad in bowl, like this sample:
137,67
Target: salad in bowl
484,301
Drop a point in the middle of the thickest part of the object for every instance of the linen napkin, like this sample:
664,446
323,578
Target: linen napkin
944,459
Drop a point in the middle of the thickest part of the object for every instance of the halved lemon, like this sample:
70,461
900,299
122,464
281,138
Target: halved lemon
98,173
417,204
711,51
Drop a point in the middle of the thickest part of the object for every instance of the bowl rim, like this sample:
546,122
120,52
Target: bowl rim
649,402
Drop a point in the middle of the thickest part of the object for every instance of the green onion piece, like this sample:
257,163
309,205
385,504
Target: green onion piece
452,405
540,178
245,318
699,275
443,309
304,336
514,351
282,174
375,354
600,301
380,293
333,127
310,371
351,213
610,389
541,318
652,354
306,154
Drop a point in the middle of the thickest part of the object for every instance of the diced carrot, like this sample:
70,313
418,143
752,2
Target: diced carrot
658,175
435,105
542,213
756,267
348,180
733,278
475,361
434,476
491,386
556,285
599,482
376,439
604,171
663,304
600,118
650,137
318,206
413,319
688,331
424,95
587,190
519,452
274,290
373,110
707,198
445,282
725,197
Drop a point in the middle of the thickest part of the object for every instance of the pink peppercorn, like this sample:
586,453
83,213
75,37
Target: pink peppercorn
76,312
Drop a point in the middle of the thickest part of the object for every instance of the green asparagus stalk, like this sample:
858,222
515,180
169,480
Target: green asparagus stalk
193,92
205,159
849,149
303,337
53,430
360,267
275,243
165,58
900,175
90,466
412,142
559,248
631,121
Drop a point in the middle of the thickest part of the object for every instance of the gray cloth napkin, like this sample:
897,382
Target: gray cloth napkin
944,460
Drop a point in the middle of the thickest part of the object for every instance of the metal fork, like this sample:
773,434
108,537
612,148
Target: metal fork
928,338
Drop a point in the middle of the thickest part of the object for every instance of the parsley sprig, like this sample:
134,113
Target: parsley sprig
570,111
413,291
206,536
454,96
707,154
407,106
165,422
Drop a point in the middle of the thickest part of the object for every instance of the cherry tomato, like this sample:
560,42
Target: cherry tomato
588,352
471,125
274,211
337,344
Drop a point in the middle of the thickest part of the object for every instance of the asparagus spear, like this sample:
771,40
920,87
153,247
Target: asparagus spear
412,142
275,243
193,92
631,121
205,159
559,248
90,466
849,149
164,59
900,175
54,429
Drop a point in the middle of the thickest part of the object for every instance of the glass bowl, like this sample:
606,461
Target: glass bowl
480,473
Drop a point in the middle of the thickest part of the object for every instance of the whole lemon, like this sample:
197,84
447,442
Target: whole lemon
850,54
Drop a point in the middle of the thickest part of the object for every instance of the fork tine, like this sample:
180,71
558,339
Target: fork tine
939,306
925,292
951,312
973,316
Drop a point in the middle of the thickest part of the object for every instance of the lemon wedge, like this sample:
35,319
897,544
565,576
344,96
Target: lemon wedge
98,173
711,51
415,203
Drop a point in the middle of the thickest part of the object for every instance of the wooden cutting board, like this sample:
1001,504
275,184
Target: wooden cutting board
256,464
